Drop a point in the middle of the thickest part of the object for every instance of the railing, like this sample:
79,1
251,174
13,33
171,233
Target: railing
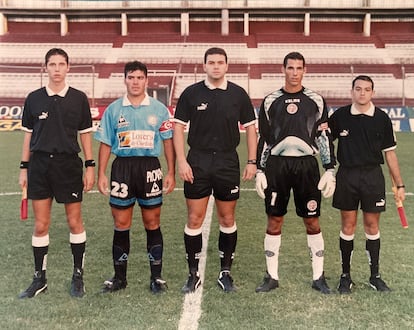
168,4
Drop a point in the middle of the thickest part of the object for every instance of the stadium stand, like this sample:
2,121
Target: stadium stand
81,53
335,50
18,85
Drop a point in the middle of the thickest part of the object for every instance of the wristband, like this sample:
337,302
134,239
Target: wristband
400,186
24,164
251,161
90,163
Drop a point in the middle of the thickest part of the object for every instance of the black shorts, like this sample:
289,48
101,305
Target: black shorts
300,174
217,172
55,175
361,185
136,179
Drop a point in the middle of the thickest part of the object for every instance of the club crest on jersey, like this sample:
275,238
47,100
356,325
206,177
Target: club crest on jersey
292,108
152,120
202,107
122,122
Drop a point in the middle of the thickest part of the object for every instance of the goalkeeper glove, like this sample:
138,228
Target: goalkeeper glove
261,183
327,183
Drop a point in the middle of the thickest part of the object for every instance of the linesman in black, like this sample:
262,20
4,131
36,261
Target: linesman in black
365,135
53,117
213,108
293,128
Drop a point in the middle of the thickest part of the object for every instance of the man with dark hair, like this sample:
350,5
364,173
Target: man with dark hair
293,129
135,128
53,118
213,108
364,134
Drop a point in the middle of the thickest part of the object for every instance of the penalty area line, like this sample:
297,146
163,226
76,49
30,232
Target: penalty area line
191,311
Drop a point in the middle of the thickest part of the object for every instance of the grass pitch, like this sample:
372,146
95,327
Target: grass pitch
292,306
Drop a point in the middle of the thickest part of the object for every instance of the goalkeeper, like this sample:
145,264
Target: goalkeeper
293,129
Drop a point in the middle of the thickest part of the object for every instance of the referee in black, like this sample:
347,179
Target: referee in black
364,133
213,108
53,118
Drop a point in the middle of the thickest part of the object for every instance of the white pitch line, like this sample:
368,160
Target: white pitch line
192,301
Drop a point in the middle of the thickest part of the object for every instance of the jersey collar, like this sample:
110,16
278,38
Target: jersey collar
370,112
62,93
126,102
223,86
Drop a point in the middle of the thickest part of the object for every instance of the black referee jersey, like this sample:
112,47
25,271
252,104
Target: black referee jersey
361,137
214,115
295,121
55,121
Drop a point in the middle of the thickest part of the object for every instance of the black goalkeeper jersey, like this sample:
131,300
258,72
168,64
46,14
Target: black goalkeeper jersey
295,125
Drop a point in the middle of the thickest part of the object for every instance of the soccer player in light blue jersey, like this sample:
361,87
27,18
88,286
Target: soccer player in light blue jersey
135,128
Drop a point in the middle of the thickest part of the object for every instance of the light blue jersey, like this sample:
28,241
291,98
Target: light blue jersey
135,131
